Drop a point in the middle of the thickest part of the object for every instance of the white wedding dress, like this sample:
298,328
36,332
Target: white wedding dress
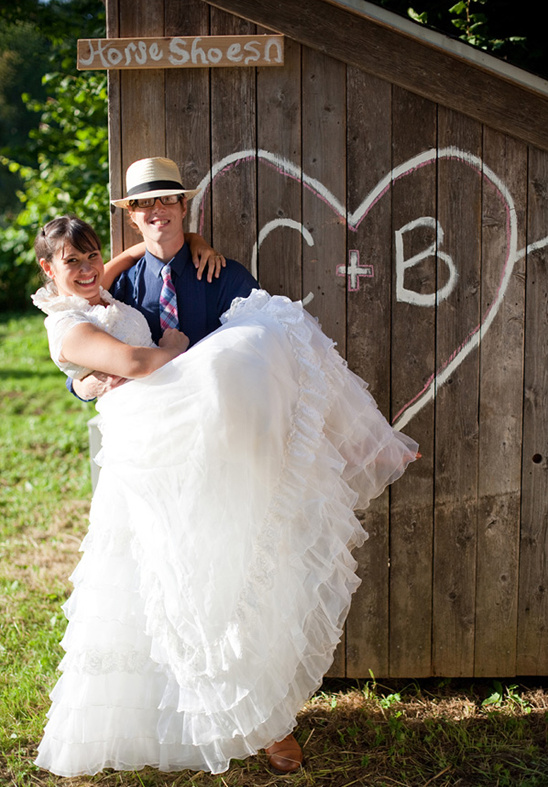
217,571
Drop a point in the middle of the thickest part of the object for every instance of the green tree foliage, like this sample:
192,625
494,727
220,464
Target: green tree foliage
504,28
71,176
21,46
59,160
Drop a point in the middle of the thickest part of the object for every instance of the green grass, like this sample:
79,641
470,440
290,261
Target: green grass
42,430
404,733
44,494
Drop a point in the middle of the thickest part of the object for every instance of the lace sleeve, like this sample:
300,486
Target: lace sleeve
57,326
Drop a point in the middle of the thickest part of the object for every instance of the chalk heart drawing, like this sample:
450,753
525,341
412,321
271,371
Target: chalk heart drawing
288,169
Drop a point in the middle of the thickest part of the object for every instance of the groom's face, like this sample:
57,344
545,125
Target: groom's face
161,223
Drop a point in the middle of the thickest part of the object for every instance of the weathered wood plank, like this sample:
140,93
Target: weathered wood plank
324,129
456,404
280,193
501,391
116,174
180,52
233,130
142,96
324,93
532,655
413,363
353,38
187,106
368,349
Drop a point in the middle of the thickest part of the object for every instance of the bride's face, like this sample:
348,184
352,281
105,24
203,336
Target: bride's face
76,272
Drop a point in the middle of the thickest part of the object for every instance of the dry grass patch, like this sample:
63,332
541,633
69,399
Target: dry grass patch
41,557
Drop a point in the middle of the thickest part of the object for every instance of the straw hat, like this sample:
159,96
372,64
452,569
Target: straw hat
152,177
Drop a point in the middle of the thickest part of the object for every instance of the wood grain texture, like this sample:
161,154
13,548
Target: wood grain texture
413,362
369,159
187,106
116,174
142,105
352,38
501,392
324,129
457,402
279,196
143,52
532,641
233,128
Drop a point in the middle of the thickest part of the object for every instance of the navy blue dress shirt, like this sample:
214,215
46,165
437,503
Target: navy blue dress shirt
200,303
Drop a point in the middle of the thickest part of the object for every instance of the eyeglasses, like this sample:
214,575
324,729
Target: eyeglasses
148,202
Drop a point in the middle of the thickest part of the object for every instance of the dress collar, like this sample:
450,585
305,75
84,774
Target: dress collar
48,300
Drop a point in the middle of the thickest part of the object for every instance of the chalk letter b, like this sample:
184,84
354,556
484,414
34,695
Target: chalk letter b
418,298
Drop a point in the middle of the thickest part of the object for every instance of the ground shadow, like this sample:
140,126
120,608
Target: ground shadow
408,733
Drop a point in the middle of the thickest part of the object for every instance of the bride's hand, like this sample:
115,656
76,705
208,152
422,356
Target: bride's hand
205,255
96,384
174,340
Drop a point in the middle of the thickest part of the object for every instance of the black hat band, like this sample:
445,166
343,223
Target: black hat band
155,185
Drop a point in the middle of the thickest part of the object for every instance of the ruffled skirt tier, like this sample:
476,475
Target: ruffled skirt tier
217,571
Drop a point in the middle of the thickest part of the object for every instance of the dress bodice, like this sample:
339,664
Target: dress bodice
64,312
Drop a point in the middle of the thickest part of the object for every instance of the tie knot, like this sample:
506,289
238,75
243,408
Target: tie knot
166,271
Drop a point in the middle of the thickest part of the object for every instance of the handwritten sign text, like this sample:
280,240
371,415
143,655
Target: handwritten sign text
181,52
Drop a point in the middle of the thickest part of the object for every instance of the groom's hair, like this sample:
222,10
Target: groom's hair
78,233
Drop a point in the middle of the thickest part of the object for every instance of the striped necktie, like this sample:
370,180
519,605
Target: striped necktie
168,301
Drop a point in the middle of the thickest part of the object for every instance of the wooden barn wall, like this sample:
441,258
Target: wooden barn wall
366,200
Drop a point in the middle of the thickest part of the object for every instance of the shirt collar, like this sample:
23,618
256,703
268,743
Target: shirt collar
178,262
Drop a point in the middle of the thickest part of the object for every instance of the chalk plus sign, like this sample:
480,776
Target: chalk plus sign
354,270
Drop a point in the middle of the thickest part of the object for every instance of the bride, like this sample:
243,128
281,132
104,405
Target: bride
217,570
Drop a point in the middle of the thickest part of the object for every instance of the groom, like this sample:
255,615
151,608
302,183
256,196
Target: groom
165,280
163,285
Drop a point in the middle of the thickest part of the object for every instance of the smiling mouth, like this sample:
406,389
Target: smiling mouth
86,282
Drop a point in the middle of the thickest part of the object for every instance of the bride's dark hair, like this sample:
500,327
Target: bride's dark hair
69,229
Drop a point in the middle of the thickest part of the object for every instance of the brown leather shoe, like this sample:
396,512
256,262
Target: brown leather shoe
285,756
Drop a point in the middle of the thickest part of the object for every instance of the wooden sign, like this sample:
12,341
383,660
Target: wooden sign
181,52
